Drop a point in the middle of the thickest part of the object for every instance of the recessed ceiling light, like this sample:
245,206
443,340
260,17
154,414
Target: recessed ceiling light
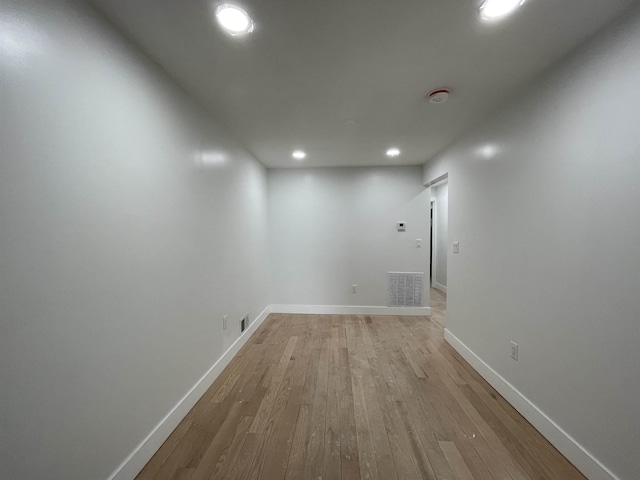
492,9
234,19
393,152
299,155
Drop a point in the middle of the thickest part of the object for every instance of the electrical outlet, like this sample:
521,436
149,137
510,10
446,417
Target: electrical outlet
514,350
244,323
224,322
354,288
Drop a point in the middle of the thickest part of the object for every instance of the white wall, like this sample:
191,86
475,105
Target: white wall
331,228
544,199
441,194
120,249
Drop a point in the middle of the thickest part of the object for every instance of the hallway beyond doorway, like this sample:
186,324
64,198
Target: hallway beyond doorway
438,307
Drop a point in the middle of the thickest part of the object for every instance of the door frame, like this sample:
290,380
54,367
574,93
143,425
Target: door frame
441,180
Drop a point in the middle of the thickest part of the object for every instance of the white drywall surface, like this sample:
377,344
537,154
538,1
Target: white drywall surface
544,200
130,222
335,227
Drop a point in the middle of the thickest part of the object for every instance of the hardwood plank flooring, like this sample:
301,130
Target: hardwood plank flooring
354,397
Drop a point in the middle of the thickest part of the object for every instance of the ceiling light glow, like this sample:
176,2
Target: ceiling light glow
393,152
488,151
208,159
493,9
234,19
299,155
19,40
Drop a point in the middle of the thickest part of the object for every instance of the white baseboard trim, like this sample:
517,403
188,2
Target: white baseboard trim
136,461
350,310
439,286
584,461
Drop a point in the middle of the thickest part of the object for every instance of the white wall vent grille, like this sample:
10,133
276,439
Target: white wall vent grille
405,289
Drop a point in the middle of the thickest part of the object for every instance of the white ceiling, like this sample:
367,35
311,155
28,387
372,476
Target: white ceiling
346,79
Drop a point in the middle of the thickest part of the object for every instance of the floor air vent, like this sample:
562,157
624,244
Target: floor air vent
405,289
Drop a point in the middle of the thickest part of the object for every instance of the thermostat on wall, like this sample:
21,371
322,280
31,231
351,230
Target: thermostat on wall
401,226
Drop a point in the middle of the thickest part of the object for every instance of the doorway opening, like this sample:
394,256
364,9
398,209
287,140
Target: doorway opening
439,249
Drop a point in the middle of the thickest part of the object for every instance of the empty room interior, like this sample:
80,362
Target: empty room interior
277,239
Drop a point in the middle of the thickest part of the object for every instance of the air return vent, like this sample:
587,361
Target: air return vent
405,289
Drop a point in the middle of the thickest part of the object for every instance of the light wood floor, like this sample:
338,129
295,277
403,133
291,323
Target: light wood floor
348,397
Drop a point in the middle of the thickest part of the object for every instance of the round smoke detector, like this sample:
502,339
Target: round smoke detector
440,95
